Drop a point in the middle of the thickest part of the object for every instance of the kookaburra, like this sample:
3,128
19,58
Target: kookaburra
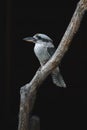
43,50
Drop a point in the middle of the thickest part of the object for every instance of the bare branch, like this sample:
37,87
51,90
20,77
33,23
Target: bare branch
28,92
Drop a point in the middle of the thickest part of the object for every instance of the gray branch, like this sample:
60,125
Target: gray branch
28,91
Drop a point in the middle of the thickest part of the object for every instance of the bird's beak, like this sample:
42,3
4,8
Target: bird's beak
29,39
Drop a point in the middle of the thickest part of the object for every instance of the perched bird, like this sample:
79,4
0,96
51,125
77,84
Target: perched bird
44,49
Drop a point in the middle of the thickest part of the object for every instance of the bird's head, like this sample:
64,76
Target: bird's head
38,38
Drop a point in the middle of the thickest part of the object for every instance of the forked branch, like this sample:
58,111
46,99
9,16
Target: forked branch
28,91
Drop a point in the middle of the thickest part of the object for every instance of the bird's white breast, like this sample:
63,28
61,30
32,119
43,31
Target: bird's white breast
41,53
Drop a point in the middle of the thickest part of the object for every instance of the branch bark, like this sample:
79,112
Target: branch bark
28,91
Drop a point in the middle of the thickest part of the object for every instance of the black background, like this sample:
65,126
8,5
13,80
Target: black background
56,107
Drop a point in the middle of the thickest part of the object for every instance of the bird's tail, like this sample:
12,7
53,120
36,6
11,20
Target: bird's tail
57,78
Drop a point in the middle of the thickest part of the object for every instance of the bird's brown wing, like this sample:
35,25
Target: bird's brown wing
51,50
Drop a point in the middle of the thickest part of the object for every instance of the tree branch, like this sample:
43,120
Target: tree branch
28,91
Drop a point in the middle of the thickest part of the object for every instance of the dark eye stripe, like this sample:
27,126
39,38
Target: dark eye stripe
43,39
39,37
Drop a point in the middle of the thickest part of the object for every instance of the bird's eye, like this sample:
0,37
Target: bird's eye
39,37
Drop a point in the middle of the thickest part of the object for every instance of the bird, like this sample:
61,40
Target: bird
44,49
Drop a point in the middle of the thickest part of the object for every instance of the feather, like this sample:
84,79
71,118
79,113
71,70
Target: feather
56,75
